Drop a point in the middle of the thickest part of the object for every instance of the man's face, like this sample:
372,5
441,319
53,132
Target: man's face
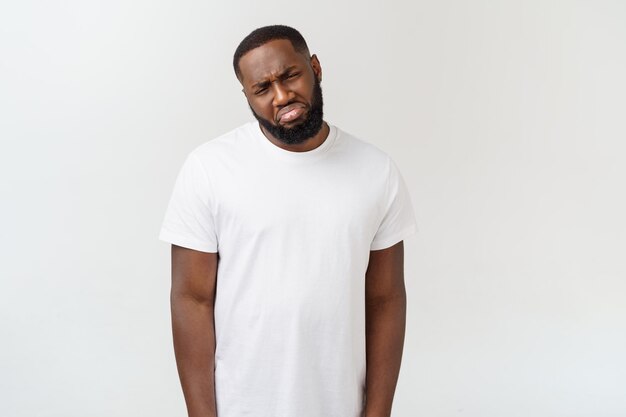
283,90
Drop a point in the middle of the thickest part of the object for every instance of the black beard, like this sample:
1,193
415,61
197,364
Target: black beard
304,130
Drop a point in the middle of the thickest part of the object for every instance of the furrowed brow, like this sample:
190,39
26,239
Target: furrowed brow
286,71
281,75
261,84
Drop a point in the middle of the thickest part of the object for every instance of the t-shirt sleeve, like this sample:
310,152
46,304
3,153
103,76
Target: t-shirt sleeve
398,221
189,218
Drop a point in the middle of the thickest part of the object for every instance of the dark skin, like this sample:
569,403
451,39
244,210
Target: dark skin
287,77
385,322
275,75
194,276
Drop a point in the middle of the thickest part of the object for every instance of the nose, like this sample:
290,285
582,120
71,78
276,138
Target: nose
282,95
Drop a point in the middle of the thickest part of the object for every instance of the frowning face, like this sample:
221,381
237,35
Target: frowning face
283,89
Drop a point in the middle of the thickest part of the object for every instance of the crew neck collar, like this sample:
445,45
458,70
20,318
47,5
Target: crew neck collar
293,155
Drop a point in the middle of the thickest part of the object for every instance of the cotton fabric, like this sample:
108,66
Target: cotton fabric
294,231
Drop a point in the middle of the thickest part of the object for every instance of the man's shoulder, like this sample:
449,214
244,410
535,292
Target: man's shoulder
232,141
361,148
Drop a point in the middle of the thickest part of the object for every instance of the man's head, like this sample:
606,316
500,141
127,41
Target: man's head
281,82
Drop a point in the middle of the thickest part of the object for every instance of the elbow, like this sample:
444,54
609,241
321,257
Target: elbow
178,297
396,298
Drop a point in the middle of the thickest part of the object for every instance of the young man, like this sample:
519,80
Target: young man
287,233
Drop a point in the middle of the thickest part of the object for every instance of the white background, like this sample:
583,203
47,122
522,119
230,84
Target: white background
506,119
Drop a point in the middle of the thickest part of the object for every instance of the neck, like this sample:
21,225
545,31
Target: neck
308,145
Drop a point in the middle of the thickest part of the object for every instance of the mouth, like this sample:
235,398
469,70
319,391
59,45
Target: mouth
290,113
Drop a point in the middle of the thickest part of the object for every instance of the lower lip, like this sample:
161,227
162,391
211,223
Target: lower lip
291,115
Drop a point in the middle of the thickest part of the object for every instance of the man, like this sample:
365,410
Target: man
287,233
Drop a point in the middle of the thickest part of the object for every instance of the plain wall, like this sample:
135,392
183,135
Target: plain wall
506,119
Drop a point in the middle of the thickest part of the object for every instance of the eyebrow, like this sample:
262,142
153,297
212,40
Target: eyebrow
266,83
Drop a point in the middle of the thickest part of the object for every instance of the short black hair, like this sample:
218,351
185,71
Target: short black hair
263,35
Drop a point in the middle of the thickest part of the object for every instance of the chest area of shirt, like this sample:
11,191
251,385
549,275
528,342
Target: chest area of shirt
297,200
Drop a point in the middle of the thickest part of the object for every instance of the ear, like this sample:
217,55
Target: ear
243,89
317,68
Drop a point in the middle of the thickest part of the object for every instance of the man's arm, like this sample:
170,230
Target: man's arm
385,301
192,299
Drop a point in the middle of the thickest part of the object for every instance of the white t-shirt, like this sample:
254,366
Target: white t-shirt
294,232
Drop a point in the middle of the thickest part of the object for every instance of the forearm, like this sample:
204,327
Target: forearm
194,345
385,330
